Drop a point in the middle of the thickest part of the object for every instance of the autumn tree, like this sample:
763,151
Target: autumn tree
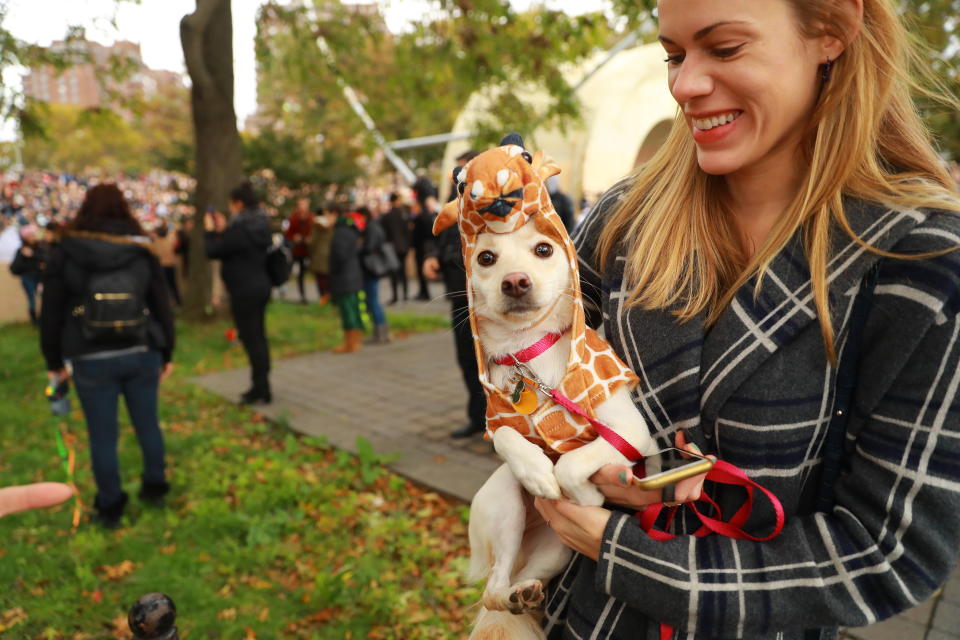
415,83
207,39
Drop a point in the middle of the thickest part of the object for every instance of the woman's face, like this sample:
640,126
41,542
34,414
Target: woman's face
744,77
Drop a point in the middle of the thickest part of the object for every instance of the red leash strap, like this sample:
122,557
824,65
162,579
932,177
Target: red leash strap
605,432
723,473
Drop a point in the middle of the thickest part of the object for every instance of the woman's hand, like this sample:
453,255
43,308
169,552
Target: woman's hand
165,371
615,482
580,528
58,376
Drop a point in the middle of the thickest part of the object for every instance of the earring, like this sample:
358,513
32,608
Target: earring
825,71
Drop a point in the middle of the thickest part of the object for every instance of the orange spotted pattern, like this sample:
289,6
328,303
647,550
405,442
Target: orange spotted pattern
594,372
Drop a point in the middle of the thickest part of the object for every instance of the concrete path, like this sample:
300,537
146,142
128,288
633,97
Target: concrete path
406,396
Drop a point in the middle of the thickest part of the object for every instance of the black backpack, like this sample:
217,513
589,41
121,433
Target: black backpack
114,308
279,264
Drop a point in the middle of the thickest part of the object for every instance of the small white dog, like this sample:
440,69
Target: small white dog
527,319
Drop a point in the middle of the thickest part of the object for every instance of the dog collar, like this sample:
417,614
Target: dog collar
531,352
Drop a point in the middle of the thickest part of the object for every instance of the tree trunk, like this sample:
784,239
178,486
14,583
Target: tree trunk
207,39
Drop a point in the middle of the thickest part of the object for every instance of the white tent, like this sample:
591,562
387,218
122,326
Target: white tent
627,111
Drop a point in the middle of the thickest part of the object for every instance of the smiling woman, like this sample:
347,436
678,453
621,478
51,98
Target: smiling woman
790,250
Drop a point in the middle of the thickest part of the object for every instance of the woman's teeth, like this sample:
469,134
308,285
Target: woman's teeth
705,124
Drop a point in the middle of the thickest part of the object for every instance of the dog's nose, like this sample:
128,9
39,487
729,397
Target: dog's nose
515,285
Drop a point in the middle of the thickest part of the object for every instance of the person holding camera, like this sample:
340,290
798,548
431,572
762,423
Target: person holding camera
241,246
106,309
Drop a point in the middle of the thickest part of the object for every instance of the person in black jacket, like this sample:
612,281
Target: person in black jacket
28,264
106,242
399,227
346,279
241,246
446,257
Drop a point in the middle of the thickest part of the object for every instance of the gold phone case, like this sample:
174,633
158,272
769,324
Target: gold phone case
671,476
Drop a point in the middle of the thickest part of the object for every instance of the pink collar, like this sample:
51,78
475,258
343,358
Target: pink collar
531,352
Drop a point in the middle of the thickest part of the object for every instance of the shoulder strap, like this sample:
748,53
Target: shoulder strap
846,383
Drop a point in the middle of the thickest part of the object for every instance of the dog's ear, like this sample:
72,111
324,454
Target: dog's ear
544,165
447,217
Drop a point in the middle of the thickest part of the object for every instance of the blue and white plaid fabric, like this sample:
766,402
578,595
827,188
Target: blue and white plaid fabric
757,390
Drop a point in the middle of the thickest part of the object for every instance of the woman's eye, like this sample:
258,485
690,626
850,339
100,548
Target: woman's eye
727,52
486,258
674,59
543,250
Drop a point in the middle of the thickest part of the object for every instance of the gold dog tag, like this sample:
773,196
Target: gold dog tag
524,398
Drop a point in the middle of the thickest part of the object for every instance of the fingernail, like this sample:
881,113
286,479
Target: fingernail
695,448
623,477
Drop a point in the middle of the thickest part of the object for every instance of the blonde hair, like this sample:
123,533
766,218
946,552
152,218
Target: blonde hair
865,139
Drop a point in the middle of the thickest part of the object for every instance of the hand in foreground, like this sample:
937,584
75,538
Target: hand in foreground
615,483
58,376
580,528
32,496
166,371
431,268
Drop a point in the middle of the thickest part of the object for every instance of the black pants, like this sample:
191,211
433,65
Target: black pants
249,316
421,255
467,360
398,278
302,269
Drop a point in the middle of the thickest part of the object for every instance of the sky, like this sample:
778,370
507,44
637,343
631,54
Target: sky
155,25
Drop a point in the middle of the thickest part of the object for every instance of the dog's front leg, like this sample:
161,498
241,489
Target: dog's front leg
574,468
527,462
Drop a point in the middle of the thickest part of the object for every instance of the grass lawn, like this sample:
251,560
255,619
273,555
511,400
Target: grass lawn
267,534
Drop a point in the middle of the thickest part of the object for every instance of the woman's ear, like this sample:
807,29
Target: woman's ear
833,46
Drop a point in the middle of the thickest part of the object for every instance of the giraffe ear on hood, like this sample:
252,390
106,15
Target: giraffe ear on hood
447,217
544,165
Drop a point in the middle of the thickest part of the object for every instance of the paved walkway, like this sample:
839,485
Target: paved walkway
406,396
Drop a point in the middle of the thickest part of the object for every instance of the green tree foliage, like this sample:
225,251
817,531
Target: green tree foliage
415,83
153,132
74,139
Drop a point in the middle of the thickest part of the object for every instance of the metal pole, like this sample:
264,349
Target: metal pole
368,122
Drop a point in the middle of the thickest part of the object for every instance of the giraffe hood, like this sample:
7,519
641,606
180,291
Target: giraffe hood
499,191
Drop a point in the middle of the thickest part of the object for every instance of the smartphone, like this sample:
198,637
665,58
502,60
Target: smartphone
673,468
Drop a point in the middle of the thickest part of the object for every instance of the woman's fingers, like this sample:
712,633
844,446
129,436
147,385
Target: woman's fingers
32,496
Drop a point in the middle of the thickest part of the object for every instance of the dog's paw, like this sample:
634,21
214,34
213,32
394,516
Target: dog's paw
525,596
585,494
539,480
573,475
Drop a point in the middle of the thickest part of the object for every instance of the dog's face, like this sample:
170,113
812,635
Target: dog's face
519,278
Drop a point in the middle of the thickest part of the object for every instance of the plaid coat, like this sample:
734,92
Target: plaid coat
757,390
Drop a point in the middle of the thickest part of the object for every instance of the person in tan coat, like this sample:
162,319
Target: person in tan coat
319,245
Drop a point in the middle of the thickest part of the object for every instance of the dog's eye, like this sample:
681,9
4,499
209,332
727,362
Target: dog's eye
486,258
543,250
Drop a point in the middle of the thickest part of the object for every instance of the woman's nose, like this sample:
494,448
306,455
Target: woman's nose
692,79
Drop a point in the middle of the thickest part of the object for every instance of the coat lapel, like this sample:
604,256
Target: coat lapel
753,327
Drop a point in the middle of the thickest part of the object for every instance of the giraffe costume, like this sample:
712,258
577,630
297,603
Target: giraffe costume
500,191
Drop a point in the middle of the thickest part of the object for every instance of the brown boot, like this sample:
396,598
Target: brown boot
352,341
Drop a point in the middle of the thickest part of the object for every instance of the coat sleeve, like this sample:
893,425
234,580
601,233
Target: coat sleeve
233,240
53,312
158,301
892,537
19,265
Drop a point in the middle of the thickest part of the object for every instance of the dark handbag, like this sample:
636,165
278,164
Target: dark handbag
382,261
279,264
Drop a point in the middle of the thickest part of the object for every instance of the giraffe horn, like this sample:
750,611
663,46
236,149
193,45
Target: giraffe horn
447,217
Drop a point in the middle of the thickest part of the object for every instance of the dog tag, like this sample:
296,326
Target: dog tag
524,398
